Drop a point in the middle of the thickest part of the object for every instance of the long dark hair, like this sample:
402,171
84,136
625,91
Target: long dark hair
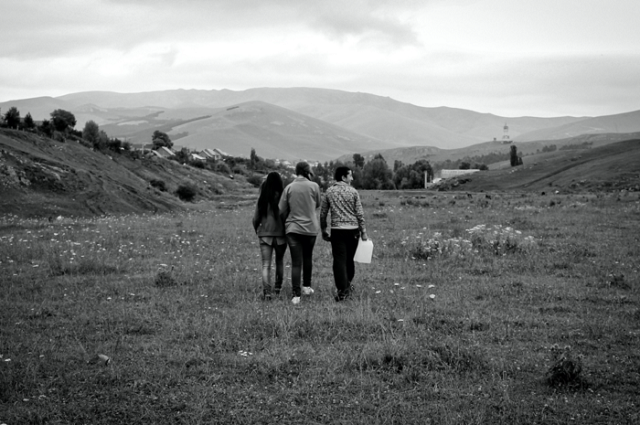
270,192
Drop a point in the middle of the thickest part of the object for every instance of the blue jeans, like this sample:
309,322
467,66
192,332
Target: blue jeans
344,243
301,247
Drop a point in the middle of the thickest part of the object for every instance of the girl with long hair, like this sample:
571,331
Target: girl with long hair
270,230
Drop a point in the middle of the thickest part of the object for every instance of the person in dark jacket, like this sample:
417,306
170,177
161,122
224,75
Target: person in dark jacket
270,230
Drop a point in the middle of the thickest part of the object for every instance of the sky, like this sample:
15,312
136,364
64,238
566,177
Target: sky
511,58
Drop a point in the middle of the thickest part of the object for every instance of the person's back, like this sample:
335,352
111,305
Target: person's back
299,203
299,206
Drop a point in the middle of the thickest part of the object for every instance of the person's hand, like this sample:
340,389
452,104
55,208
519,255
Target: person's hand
364,236
326,236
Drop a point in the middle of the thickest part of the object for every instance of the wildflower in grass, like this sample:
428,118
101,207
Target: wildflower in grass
497,239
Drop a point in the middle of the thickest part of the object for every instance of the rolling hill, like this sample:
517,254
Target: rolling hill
40,177
197,118
436,155
611,167
271,130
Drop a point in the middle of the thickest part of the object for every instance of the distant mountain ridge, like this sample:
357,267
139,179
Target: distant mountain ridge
330,123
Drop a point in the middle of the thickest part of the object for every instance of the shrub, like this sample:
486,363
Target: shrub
237,169
255,180
196,163
186,192
222,168
159,184
495,239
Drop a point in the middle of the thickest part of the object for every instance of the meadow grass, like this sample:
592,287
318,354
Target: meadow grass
471,310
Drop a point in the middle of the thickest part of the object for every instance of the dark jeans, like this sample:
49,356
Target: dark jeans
301,247
344,243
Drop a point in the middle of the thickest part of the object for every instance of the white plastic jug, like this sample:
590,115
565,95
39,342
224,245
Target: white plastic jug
364,252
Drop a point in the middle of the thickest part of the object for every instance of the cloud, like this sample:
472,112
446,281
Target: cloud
495,56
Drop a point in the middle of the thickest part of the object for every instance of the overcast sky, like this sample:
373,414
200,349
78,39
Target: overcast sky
507,57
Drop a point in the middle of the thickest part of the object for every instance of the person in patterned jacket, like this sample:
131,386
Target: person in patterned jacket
347,227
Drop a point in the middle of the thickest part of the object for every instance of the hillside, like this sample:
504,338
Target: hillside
619,123
272,131
396,123
40,177
611,167
306,122
435,155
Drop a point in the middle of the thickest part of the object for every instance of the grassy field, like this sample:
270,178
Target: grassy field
478,308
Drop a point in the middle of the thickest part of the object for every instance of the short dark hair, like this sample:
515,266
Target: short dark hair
341,172
303,169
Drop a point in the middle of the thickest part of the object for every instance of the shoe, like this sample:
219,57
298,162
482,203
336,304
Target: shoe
295,300
307,290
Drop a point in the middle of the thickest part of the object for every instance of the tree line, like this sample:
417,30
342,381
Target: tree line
374,174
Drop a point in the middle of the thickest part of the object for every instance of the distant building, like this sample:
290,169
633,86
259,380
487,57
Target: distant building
506,139
212,154
163,152
446,174
221,153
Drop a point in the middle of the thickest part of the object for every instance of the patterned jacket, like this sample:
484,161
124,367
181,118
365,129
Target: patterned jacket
345,205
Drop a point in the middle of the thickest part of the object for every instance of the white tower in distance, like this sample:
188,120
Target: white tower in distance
505,134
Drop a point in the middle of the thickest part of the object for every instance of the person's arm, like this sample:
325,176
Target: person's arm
256,219
283,204
359,211
324,210
318,196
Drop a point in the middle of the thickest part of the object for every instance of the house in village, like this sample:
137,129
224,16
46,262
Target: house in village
446,174
221,153
196,157
211,154
163,152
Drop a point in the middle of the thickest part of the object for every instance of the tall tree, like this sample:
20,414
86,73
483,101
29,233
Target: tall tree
62,120
412,176
103,140
28,121
253,159
514,156
91,133
160,138
358,160
377,175
12,117
46,127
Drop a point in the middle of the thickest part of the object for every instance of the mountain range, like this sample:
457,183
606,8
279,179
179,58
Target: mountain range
309,123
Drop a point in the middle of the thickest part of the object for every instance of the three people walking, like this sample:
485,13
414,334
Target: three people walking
289,217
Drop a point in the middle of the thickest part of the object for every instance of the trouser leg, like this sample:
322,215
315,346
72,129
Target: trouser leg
266,252
280,251
343,247
307,259
295,247
351,245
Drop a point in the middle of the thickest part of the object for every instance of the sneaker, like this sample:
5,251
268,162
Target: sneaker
307,290
295,300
